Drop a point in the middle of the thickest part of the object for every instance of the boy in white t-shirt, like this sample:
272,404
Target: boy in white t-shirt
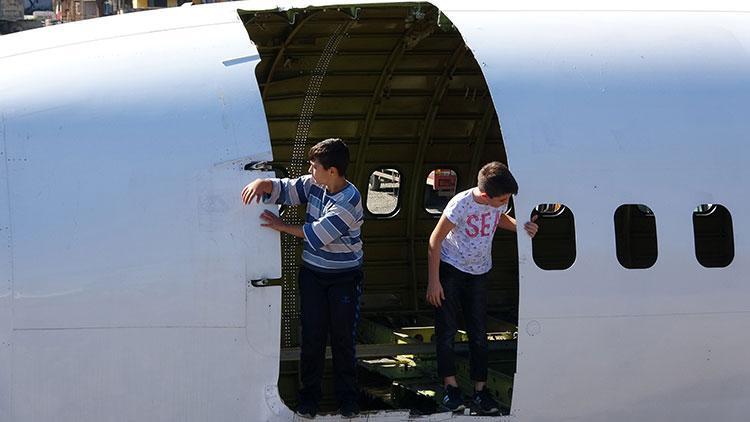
459,258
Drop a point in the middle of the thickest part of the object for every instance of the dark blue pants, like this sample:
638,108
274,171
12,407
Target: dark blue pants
468,292
329,304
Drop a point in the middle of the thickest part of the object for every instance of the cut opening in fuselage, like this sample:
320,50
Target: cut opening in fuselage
400,86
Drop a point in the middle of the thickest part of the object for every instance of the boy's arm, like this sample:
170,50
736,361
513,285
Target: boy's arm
256,189
435,294
278,191
337,221
281,191
273,221
509,223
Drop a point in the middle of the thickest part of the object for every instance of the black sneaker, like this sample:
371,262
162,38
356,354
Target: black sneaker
452,399
306,410
484,404
349,410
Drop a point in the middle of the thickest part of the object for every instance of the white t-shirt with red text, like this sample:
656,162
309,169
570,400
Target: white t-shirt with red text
468,246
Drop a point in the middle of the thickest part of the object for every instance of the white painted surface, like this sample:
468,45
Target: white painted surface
600,109
150,373
129,198
6,283
133,250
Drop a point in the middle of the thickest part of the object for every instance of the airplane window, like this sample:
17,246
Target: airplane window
554,246
440,187
635,236
714,237
383,192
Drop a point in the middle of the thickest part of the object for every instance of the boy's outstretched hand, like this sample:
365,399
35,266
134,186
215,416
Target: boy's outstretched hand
435,295
255,190
272,221
531,227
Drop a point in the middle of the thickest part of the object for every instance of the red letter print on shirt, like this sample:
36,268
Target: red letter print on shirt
471,225
485,225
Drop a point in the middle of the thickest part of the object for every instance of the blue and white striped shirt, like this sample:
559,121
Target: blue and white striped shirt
332,222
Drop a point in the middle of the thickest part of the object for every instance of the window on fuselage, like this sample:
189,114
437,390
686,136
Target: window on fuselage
440,187
713,234
383,192
554,246
635,236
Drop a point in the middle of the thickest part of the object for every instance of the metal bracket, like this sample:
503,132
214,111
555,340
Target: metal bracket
263,282
258,166
278,169
351,11
445,23
291,16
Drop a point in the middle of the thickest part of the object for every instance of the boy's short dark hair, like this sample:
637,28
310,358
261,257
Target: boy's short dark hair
332,152
495,179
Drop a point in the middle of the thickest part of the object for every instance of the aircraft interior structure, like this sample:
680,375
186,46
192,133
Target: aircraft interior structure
400,85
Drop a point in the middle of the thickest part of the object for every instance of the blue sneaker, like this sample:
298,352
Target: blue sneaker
484,404
452,399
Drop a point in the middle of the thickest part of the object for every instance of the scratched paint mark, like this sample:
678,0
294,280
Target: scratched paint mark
533,328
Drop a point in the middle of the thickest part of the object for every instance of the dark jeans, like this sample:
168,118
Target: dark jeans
329,304
469,292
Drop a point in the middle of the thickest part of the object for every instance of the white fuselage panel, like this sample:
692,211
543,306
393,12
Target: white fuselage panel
601,109
132,252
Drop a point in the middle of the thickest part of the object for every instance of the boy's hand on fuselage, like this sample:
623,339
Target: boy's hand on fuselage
272,221
531,227
255,190
435,295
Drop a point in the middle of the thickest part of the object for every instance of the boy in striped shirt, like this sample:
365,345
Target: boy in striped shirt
331,276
